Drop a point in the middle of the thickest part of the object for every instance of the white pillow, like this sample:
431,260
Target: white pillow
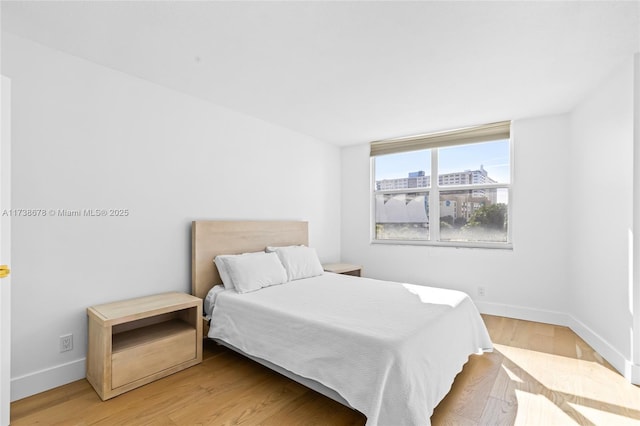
220,262
251,273
299,261
224,275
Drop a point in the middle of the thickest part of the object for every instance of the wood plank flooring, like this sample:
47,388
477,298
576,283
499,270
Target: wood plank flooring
539,374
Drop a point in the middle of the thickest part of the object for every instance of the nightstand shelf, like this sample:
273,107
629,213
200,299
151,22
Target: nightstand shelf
343,268
134,342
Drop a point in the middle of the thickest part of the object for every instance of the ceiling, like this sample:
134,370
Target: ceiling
351,72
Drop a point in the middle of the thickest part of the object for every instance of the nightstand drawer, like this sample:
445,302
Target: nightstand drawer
140,361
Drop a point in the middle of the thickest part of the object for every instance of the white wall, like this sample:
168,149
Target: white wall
601,214
85,136
530,281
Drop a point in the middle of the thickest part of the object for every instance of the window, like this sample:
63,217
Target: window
449,188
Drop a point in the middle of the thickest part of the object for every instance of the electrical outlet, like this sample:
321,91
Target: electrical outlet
66,342
481,291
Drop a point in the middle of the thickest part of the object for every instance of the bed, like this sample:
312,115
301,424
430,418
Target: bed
389,350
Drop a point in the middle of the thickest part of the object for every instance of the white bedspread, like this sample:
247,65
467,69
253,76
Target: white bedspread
391,350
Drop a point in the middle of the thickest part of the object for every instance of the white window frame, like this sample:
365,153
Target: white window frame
434,191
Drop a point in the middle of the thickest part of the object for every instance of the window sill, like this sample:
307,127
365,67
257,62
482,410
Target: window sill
451,244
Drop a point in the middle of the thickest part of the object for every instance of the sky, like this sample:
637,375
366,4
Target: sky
494,156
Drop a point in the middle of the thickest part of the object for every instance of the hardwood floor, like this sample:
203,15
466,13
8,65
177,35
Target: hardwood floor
539,374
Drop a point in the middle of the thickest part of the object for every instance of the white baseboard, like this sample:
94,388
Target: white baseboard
608,352
49,378
624,366
634,373
524,313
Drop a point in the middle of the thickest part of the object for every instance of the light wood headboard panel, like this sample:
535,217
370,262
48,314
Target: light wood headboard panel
210,238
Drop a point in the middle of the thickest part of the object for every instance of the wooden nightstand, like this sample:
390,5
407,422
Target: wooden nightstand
134,342
343,268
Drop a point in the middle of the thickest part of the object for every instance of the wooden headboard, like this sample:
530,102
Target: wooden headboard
210,238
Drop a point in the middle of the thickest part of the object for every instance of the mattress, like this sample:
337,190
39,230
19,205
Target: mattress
391,350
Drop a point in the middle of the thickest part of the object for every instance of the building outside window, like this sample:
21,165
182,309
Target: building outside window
447,188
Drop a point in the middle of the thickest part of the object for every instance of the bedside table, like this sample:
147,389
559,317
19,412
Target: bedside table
343,268
134,342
